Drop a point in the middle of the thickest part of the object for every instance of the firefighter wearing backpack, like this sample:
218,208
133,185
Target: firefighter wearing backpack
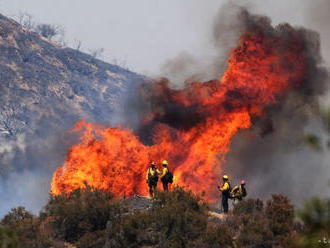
225,190
166,176
152,178
239,191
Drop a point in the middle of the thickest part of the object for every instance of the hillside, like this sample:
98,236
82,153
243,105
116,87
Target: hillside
45,89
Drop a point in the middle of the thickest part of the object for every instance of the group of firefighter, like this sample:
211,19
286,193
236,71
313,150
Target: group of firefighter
227,192
152,177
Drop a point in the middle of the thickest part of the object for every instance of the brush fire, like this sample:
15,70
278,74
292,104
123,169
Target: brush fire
190,127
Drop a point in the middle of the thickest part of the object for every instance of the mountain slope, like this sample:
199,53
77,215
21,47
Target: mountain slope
44,90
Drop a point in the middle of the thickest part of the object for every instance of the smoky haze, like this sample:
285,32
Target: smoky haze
275,159
272,156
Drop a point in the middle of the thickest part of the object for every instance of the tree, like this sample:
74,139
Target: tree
26,20
47,30
96,53
77,44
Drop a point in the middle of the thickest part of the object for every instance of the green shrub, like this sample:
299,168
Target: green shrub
24,224
92,240
280,213
16,216
8,238
176,218
316,217
249,206
82,211
255,232
215,236
258,226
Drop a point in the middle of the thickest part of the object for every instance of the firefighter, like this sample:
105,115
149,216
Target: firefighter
152,178
239,191
164,177
225,190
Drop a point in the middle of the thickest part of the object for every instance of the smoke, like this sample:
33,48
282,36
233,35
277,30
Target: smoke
27,163
271,156
186,67
274,158
317,16
26,188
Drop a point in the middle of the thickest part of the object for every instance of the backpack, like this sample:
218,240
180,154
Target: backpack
233,192
244,192
228,193
169,177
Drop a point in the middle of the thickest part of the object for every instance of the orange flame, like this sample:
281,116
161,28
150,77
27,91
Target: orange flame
260,70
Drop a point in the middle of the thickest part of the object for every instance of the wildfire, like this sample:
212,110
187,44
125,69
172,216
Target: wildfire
191,127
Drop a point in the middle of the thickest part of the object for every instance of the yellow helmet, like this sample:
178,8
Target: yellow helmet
225,177
165,162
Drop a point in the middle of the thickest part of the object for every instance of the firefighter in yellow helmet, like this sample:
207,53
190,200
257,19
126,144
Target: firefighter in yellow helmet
225,190
164,175
152,178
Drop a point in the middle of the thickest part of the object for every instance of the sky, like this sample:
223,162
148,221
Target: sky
142,35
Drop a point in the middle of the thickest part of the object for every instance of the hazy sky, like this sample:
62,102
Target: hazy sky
145,33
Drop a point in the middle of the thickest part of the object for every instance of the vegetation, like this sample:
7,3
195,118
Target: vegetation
176,219
93,218
47,30
8,238
316,216
315,141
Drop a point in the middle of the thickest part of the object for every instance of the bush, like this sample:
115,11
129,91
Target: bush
249,206
46,30
90,218
316,216
24,224
280,213
80,212
176,219
215,236
259,226
16,217
8,238
92,240
255,232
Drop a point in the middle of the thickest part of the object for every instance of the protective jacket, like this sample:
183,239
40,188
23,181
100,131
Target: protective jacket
164,172
152,173
225,189
238,192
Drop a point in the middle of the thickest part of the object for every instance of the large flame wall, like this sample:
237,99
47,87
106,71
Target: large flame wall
261,69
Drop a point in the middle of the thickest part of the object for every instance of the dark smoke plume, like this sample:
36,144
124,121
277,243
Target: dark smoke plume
273,157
